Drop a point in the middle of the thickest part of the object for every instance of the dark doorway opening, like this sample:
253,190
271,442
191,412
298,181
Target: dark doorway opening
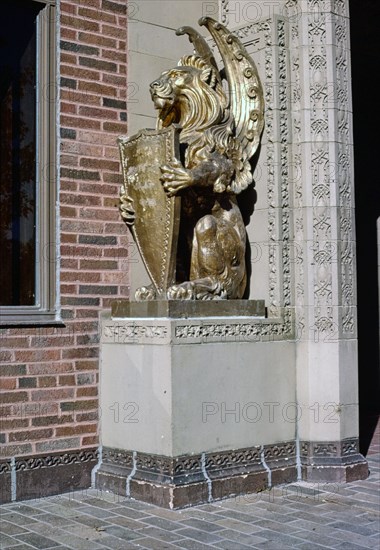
364,17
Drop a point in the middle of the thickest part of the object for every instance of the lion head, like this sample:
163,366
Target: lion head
191,96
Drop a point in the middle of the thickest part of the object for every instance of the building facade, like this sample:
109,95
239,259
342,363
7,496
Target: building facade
69,251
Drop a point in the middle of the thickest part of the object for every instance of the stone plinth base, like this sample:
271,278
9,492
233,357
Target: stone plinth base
195,479
333,461
178,309
195,409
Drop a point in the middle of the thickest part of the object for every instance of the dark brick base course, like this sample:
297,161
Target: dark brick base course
45,475
333,461
181,496
178,482
336,473
5,481
189,480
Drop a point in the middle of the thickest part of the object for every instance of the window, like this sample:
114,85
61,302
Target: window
27,162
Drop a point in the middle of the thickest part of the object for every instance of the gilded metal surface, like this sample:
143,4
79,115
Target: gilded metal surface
154,214
219,134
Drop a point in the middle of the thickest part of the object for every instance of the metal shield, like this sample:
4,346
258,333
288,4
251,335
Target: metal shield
157,215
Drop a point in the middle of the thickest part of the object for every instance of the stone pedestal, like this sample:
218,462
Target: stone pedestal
192,409
196,408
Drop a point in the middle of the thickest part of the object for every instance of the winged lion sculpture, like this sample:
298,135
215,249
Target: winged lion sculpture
220,118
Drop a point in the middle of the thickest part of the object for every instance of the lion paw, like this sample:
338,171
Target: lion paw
127,210
145,293
184,291
175,177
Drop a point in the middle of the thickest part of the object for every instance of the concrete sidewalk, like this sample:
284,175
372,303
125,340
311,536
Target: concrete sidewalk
300,515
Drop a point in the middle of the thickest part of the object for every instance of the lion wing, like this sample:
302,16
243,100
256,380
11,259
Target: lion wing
246,101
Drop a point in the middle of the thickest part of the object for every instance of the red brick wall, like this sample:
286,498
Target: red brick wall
49,375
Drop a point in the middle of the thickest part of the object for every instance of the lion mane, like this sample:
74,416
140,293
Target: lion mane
203,115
